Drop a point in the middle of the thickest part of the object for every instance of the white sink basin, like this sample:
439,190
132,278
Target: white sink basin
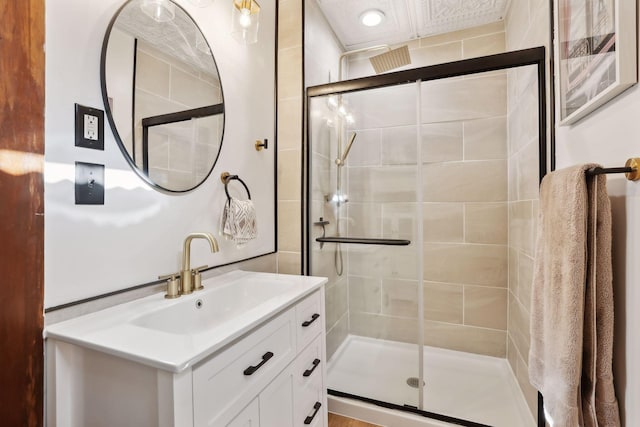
174,334
213,307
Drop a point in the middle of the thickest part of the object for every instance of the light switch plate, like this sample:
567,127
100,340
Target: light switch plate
89,184
89,127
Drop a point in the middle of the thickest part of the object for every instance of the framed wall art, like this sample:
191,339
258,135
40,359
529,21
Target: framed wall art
595,54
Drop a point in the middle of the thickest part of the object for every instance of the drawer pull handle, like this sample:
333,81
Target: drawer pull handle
308,372
310,418
265,358
308,322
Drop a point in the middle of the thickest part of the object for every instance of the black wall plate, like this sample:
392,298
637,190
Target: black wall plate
89,127
89,184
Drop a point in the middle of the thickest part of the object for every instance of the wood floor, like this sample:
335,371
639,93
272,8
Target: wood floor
340,421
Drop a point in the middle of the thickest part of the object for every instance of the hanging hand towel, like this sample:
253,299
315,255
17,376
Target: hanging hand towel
238,221
573,264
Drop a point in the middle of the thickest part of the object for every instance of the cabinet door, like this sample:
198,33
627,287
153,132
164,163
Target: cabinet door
276,402
249,417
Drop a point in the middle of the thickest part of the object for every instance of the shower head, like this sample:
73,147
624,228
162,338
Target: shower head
341,160
393,58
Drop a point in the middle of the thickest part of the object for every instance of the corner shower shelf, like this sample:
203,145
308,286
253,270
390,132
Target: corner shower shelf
364,241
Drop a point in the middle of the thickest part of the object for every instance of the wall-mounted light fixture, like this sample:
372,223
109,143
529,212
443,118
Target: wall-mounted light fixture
245,20
158,10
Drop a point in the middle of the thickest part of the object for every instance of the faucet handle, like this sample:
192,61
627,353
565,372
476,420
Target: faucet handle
173,285
197,278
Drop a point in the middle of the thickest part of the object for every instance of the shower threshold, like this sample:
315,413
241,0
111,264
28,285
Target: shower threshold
458,386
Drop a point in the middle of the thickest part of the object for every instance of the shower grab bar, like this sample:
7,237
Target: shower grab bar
364,241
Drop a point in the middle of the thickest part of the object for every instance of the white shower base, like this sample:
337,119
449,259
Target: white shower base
472,387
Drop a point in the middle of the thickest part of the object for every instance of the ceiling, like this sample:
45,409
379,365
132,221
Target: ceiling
407,19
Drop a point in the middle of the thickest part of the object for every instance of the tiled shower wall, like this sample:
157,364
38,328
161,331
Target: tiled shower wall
464,187
527,25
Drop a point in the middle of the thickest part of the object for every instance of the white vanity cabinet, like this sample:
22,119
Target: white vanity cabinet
271,375
272,360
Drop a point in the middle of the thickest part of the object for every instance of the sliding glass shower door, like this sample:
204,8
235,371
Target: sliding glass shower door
363,189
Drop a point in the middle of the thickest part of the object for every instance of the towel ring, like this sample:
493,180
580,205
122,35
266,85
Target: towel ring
225,177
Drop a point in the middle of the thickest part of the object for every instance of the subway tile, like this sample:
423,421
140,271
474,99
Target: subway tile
525,279
527,169
464,99
289,263
364,219
289,23
486,223
289,175
399,145
382,184
365,150
489,44
289,124
384,327
469,264
481,181
465,338
443,222
400,298
513,271
290,73
443,302
384,107
442,142
336,301
337,335
485,307
365,294
289,239
437,54
397,262
519,326
494,27
485,139
399,221
521,226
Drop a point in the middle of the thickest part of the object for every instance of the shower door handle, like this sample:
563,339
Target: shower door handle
308,372
306,323
310,418
265,358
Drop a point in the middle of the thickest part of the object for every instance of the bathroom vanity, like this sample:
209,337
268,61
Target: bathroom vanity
248,350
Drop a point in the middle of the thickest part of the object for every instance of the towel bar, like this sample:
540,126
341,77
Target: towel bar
631,169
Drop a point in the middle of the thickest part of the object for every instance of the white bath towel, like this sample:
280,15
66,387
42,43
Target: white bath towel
238,221
572,302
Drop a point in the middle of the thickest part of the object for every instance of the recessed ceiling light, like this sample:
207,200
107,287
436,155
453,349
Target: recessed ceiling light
372,17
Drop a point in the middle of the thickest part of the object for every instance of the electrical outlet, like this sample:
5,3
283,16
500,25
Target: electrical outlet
89,184
89,127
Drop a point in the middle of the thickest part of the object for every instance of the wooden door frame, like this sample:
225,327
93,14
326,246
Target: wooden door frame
22,63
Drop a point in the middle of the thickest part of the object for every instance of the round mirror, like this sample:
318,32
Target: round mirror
162,94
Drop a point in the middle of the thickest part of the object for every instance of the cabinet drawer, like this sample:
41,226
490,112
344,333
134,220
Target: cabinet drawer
309,364
223,385
308,383
309,319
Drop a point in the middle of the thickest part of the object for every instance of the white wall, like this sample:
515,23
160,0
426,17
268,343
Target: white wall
607,136
138,233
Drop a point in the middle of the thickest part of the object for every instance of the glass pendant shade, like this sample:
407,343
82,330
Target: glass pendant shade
158,10
245,21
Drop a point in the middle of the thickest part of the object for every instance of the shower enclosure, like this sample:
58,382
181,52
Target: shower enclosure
417,187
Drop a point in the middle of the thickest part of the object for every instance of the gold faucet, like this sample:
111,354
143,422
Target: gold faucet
187,275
